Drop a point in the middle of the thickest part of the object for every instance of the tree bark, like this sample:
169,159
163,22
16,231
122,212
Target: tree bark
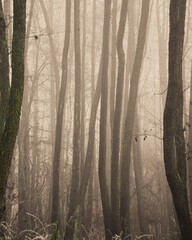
189,145
115,207
173,139
8,139
23,144
74,198
4,72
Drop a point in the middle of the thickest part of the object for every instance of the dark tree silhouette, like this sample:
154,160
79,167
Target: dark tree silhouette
9,135
174,140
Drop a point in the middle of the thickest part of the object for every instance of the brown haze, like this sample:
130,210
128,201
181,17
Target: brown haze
95,119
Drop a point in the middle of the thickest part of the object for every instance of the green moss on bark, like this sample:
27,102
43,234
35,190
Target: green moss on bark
9,134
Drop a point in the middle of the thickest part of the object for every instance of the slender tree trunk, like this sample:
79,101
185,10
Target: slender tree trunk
34,158
35,151
103,120
90,184
59,123
52,49
174,141
129,55
91,141
90,198
53,109
189,149
74,198
162,47
113,63
24,193
138,176
24,167
115,206
127,132
83,82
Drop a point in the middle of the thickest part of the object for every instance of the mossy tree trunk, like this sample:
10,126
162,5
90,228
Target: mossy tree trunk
9,135
4,72
173,139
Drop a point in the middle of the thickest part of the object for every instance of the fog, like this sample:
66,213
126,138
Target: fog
103,95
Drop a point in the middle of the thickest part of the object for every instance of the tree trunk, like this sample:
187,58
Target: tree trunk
52,49
4,72
103,120
129,55
138,175
53,109
189,145
8,139
83,84
127,136
115,214
162,48
23,144
91,141
59,123
24,170
174,141
73,205
113,64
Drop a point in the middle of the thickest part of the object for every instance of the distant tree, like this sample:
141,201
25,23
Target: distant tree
103,120
115,206
173,139
89,157
90,145
113,62
137,163
83,82
162,32
74,198
59,121
52,49
129,120
11,122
